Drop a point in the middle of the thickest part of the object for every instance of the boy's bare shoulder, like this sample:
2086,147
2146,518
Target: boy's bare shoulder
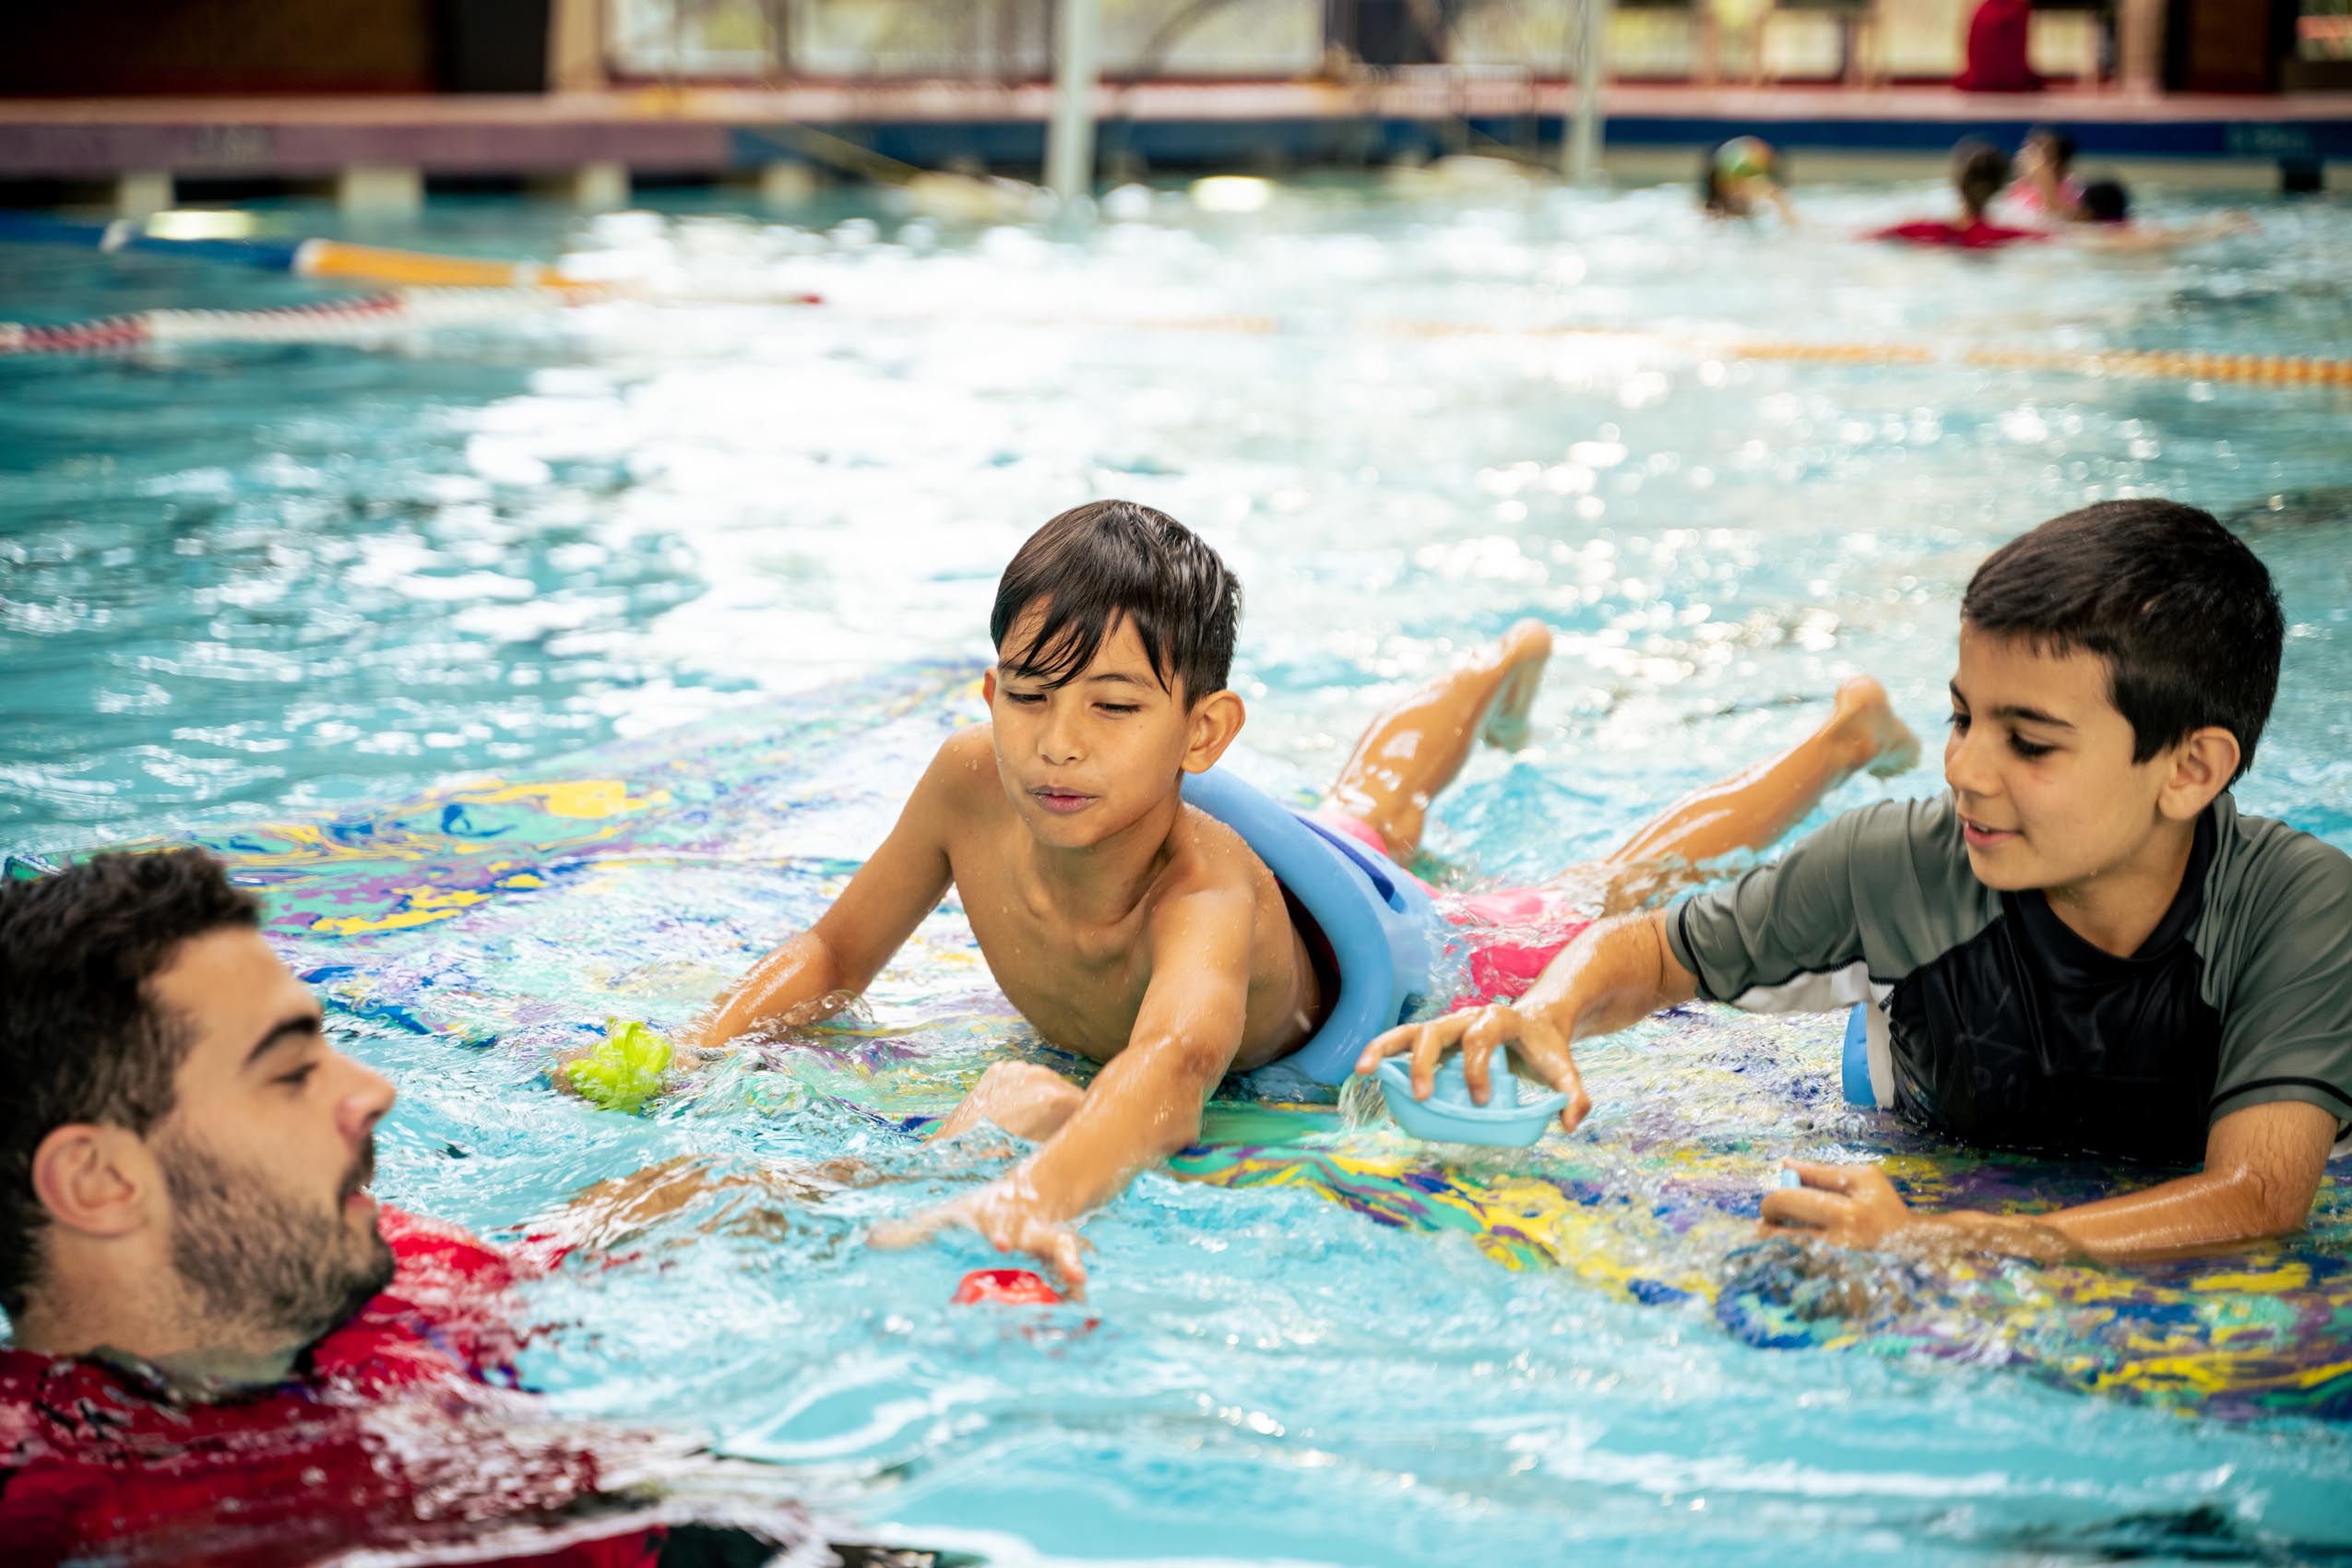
965,762
1212,858
961,780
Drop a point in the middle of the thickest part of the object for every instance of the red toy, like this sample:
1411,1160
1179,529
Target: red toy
1010,1287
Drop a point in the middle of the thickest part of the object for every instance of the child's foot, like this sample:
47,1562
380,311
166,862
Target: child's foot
1522,655
1883,745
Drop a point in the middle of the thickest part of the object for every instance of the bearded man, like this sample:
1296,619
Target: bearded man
225,1350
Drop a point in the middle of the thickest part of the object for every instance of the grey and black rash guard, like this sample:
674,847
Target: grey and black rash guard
1993,1021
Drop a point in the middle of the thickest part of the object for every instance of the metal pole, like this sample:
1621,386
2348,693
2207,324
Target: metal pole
1583,149
1069,140
2139,47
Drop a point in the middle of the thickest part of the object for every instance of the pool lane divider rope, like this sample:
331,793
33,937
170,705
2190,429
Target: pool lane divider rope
369,318
303,258
2167,365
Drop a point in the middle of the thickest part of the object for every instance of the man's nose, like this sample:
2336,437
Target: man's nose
363,1102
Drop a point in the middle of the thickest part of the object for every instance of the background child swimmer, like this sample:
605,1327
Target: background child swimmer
2083,947
1137,931
1740,176
2104,221
1979,169
2045,186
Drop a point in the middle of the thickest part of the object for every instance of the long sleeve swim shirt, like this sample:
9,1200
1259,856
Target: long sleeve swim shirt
1998,1024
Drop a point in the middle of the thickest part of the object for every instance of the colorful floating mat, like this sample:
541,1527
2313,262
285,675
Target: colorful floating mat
513,915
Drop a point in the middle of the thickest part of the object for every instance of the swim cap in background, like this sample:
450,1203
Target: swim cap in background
1747,158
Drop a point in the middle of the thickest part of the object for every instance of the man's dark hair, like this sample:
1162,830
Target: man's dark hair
2105,201
1108,559
2184,615
1979,169
82,1038
2060,145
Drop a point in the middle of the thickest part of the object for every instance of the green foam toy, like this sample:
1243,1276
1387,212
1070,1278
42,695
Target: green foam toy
623,1073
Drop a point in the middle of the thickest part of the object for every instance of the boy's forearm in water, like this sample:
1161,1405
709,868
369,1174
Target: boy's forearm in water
788,983
2262,1168
1613,976
1144,1105
1616,973
815,973
1140,1109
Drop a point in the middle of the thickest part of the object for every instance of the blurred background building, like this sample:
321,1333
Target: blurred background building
212,90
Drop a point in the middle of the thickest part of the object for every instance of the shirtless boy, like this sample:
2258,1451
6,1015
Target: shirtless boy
1138,931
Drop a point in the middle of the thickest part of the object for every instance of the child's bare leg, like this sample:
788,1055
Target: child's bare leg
1414,750
1752,809
1024,1098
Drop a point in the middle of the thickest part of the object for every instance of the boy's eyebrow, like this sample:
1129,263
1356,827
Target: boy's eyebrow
298,1025
2014,711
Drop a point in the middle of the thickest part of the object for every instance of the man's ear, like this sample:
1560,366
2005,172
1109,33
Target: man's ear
1214,721
2203,765
988,688
93,1179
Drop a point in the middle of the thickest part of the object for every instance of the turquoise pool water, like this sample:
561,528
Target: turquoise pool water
245,585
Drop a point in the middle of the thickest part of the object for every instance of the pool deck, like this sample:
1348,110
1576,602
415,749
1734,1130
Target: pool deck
716,131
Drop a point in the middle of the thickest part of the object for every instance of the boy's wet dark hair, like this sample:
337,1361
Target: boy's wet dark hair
2184,615
1979,169
2060,145
2105,201
82,1038
1108,559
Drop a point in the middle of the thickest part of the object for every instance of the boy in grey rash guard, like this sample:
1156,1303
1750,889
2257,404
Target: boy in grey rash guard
1994,1021
2082,947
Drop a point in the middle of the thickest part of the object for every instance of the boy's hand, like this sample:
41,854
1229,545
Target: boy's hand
1850,1205
1011,1218
1540,1044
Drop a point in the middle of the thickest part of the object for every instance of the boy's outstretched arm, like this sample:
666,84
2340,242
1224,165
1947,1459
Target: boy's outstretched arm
1141,1108
811,976
2262,1168
1617,972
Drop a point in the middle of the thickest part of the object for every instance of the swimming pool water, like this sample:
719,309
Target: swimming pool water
246,584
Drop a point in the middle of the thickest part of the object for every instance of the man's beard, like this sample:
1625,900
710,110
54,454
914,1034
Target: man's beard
255,1258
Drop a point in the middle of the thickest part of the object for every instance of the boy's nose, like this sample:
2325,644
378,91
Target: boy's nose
1057,742
1965,768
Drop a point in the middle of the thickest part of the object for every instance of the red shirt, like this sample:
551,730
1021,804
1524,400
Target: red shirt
388,1436
1976,236
1999,33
